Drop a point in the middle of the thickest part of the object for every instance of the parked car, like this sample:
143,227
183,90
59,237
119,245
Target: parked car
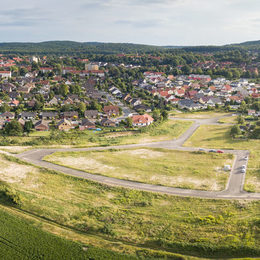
219,151
202,150
243,170
212,151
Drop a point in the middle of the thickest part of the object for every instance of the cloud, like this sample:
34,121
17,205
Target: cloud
123,3
20,17
140,23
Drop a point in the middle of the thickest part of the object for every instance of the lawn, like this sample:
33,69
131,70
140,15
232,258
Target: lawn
181,169
136,222
213,136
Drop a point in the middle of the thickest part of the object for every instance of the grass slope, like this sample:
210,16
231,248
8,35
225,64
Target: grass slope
189,226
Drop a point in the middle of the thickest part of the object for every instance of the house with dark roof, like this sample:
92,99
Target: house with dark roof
41,126
86,124
49,115
91,114
188,104
28,115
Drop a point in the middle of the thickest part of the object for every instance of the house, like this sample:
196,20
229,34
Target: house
5,74
75,98
70,115
68,101
46,69
26,96
179,92
191,94
111,110
252,112
235,98
31,103
21,121
188,104
86,124
26,88
7,116
213,101
125,97
206,78
7,88
28,115
142,120
107,122
49,115
142,107
41,126
13,95
135,102
91,114
14,103
64,125
99,73
53,102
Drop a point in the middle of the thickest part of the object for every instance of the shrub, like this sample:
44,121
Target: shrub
9,195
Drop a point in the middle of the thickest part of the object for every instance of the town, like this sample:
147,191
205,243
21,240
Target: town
41,97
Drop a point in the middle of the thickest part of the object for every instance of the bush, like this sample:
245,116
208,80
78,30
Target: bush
9,195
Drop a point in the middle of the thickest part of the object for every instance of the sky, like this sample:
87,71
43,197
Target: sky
156,22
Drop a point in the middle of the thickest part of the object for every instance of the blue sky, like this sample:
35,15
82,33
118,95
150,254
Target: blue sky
158,22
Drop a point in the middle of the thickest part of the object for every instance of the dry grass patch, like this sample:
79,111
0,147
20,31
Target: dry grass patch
12,172
15,149
200,115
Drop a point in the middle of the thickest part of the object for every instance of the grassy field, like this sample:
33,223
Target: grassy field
21,240
165,131
212,136
39,133
135,222
181,169
200,114
228,120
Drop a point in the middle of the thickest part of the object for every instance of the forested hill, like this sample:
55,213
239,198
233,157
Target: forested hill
71,47
251,45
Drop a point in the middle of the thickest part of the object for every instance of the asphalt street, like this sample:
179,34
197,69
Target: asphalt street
234,187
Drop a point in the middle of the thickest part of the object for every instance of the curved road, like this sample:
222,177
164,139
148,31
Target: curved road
234,188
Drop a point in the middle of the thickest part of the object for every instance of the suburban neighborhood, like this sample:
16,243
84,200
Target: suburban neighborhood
65,98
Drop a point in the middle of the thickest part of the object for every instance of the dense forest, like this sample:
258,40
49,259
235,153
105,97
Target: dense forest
71,47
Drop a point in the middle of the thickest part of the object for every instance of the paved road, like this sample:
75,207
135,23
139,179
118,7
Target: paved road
234,188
